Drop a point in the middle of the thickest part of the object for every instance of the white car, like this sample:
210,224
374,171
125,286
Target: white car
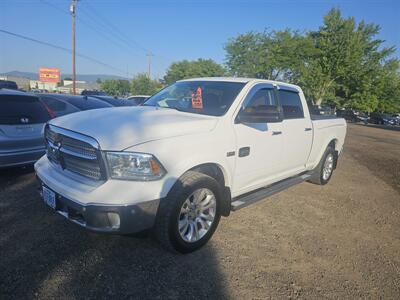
195,151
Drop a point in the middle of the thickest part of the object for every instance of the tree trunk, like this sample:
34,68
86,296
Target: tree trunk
318,102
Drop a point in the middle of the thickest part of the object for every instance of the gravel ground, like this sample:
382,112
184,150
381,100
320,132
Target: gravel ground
338,241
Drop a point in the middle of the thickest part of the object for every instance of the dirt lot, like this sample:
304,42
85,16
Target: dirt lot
338,241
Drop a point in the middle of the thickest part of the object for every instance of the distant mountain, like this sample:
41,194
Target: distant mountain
85,77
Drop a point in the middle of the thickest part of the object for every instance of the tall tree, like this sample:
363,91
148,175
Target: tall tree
115,87
341,62
349,58
274,55
142,85
189,69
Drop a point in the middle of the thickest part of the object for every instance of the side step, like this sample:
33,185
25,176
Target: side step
261,194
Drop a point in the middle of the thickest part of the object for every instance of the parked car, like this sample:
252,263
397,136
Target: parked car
397,118
138,99
93,93
114,101
196,150
22,118
352,115
8,84
62,104
382,118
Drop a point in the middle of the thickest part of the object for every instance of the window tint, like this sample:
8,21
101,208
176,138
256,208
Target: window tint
16,109
291,105
59,107
262,101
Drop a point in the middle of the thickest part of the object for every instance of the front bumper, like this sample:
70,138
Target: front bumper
11,159
121,219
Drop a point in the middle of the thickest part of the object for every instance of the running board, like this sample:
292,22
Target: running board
261,194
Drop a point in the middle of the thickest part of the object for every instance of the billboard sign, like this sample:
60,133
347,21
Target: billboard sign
49,75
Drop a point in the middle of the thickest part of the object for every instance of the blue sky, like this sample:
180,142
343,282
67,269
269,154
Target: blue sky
119,32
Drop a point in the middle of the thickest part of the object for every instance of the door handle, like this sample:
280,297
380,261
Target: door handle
276,132
307,129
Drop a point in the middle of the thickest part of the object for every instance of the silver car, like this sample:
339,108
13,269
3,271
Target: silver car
22,119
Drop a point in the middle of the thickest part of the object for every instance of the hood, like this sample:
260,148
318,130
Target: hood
118,128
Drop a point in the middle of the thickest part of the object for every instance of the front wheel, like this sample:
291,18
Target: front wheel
190,214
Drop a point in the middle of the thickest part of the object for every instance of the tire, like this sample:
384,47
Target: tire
179,226
323,172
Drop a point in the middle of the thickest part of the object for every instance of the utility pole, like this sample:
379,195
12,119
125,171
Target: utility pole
72,9
149,55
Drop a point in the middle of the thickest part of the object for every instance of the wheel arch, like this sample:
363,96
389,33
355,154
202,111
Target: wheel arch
217,172
334,144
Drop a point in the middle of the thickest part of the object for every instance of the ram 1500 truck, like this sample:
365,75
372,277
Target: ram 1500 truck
193,152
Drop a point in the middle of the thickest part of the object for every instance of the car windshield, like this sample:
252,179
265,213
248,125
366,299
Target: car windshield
202,97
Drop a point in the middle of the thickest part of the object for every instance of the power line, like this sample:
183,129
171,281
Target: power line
60,48
117,36
123,36
107,23
88,25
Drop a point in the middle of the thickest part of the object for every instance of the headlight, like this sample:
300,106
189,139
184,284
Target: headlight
134,166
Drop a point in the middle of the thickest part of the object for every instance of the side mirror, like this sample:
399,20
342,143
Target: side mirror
258,117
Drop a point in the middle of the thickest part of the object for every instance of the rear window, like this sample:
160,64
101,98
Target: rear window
18,109
86,103
8,85
59,107
137,100
291,105
114,101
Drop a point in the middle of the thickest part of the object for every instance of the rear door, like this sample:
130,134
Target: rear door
21,123
259,145
297,131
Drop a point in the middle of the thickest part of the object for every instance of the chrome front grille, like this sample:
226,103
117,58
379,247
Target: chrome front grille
79,148
73,152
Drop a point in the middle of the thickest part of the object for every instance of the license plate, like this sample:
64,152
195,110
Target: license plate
49,197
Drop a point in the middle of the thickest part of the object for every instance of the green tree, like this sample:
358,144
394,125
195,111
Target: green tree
143,85
274,55
115,87
350,61
342,62
190,69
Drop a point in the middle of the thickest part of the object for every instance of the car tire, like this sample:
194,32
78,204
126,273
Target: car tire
323,172
183,207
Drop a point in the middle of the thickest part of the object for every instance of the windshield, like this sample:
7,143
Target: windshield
202,97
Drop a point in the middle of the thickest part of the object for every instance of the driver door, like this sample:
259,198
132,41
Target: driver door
258,145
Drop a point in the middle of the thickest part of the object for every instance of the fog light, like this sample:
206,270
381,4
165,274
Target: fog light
114,220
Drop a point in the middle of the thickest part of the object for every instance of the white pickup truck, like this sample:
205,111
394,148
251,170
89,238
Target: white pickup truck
194,152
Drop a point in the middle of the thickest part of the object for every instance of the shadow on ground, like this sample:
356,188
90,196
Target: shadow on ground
45,256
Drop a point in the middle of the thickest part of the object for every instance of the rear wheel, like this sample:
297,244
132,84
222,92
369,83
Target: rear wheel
323,172
188,217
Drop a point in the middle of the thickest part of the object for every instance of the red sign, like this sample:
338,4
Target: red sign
197,99
49,75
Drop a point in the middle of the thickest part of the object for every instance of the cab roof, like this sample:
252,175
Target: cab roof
243,80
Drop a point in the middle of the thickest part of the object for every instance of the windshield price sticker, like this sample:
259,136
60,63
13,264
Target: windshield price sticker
197,99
